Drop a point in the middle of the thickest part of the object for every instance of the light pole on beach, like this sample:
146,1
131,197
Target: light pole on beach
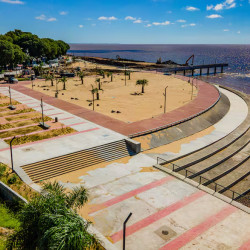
125,73
192,88
165,99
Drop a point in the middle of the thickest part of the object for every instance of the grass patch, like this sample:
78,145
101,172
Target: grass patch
20,111
20,131
20,117
24,123
7,218
41,136
7,177
7,103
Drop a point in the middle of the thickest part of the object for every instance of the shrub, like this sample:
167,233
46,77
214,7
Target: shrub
12,179
2,169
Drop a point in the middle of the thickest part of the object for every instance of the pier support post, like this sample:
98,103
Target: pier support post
207,71
215,69
192,72
184,72
221,69
200,71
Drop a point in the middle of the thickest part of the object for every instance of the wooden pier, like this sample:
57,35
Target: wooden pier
200,67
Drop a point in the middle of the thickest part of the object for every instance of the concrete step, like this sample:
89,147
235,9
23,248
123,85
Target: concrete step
235,151
113,145
67,163
215,149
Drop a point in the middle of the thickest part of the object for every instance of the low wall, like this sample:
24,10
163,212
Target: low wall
134,145
8,194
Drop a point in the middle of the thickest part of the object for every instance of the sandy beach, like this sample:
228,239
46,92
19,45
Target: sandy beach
115,96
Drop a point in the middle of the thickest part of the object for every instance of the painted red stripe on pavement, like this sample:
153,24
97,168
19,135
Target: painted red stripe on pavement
67,118
191,234
56,114
74,124
245,246
157,216
130,194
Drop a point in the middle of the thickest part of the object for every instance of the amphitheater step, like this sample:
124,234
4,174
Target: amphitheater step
53,167
223,160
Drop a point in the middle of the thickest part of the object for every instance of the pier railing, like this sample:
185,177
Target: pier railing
205,182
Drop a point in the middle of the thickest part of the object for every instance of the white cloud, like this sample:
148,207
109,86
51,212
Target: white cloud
226,30
51,19
190,8
12,1
63,13
161,24
228,4
186,25
104,18
41,17
213,16
209,7
181,21
238,32
219,6
130,18
44,18
138,21
148,25
80,26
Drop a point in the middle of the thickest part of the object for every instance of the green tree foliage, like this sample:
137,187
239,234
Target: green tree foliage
142,82
50,221
27,43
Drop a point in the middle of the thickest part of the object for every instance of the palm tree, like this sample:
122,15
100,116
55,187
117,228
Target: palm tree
52,77
142,83
102,73
110,74
50,221
47,78
81,75
93,91
98,80
64,79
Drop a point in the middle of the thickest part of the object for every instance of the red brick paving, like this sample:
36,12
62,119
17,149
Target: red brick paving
206,97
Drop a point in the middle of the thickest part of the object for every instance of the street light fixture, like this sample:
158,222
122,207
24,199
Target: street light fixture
12,107
124,230
11,154
165,99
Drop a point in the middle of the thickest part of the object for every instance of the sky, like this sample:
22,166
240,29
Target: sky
131,21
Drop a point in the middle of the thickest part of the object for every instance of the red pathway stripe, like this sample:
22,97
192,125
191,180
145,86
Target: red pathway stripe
245,246
130,194
194,232
157,216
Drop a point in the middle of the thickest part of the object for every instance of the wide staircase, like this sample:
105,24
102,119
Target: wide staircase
64,164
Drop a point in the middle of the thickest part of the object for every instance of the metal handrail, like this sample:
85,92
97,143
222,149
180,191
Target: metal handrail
216,185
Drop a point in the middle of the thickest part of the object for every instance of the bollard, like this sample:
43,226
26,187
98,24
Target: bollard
56,119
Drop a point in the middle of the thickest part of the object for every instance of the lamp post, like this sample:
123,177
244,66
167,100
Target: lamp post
165,99
42,111
10,96
125,72
124,230
192,88
11,154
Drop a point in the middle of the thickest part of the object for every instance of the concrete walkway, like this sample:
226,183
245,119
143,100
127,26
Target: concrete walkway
88,135
192,218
